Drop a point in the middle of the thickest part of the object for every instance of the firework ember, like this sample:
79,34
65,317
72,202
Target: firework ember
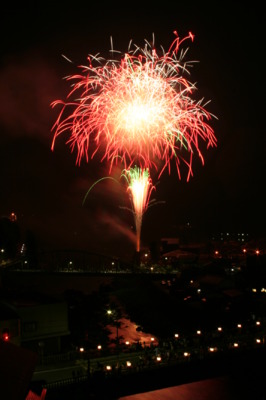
138,109
140,187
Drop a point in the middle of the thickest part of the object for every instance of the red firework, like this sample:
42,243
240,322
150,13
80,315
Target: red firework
137,109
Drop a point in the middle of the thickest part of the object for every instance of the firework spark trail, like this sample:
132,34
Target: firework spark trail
138,109
140,187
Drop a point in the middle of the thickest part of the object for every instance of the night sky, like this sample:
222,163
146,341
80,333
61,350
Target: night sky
46,188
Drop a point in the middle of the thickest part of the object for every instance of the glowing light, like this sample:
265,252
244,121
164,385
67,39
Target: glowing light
137,108
140,187
6,336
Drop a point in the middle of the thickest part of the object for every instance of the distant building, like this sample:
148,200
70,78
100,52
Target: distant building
36,324
240,237
169,244
43,326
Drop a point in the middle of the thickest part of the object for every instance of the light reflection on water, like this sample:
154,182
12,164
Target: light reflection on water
127,332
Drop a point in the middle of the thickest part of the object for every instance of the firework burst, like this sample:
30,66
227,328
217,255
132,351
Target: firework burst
137,108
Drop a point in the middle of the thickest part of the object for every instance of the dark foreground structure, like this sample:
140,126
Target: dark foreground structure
235,376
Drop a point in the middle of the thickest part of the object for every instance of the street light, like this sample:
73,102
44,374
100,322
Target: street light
87,355
115,319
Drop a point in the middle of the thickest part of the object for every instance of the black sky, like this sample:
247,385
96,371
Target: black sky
46,189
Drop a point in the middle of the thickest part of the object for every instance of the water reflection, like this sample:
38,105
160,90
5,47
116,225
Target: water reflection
129,333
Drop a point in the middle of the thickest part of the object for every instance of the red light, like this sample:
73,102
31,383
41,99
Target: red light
6,336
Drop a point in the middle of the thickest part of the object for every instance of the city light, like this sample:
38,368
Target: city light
213,349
